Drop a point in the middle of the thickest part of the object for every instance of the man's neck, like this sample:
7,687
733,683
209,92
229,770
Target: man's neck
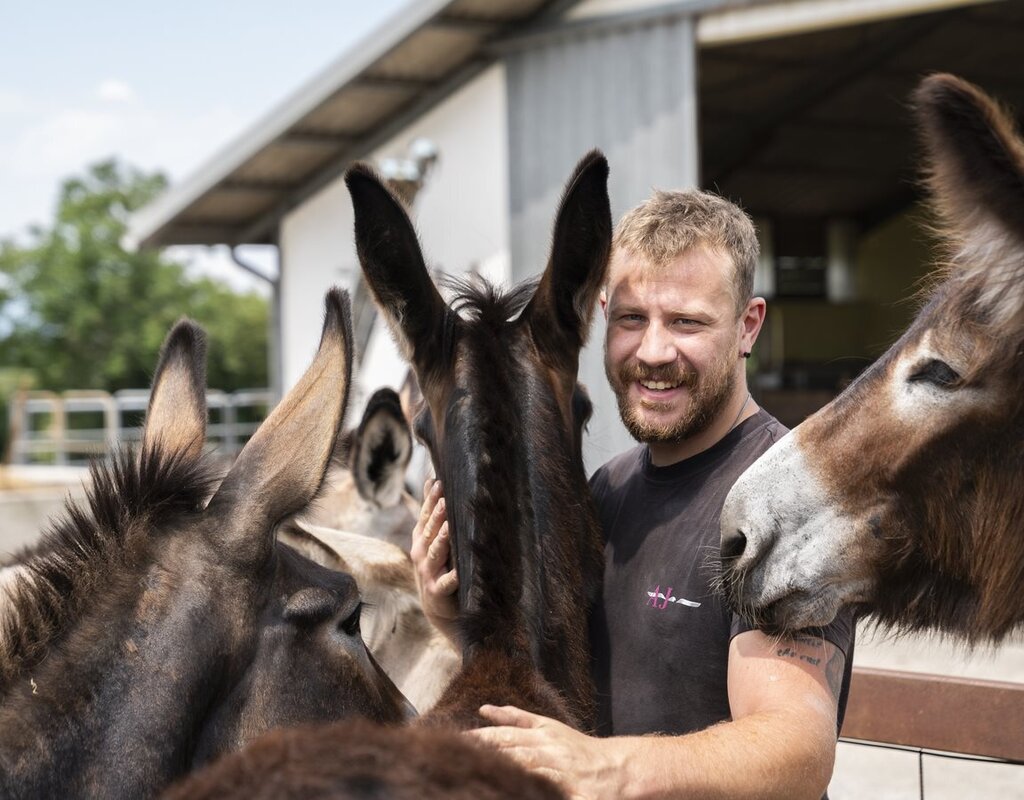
740,407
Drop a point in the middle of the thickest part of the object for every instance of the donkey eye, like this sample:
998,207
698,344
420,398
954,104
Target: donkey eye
351,623
936,372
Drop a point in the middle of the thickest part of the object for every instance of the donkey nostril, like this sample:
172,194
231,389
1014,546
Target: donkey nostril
733,544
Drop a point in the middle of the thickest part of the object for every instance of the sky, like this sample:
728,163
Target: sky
161,86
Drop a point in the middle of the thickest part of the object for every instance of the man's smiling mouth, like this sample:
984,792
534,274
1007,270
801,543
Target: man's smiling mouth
659,386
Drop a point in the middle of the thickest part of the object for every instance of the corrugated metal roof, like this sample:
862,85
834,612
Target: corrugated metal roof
414,57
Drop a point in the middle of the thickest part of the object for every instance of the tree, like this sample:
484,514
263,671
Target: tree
78,311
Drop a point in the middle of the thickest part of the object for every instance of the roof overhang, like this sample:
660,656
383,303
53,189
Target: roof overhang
410,62
802,103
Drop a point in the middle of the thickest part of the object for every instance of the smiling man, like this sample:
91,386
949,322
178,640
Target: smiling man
738,713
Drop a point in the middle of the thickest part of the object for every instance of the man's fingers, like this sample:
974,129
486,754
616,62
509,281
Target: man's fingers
435,522
447,583
511,716
431,494
504,737
439,549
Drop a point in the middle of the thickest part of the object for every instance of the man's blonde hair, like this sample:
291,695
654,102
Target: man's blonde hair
665,226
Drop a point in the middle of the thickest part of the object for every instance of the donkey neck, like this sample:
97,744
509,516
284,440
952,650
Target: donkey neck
522,524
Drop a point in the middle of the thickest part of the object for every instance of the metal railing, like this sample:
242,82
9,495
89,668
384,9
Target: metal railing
73,427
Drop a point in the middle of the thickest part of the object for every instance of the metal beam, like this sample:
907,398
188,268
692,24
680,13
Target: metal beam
383,82
484,26
253,185
556,29
316,139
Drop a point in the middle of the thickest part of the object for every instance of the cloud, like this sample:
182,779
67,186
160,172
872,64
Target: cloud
58,141
115,91
13,103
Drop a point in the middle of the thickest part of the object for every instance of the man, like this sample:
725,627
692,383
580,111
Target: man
742,714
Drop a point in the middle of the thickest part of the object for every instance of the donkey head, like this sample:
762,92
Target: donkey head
155,630
905,493
365,490
502,417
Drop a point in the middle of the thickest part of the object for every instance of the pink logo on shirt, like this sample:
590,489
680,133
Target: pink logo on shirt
660,600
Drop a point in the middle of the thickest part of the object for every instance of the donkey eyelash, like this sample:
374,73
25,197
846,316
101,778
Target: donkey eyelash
351,623
935,372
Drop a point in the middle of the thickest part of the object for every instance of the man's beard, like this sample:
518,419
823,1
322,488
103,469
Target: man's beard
709,394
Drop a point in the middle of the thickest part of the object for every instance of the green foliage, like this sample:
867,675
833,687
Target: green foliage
78,311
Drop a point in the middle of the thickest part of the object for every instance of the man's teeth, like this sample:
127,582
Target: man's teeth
659,385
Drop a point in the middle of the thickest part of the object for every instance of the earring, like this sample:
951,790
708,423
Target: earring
745,354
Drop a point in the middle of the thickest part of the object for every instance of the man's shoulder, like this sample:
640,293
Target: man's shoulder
618,469
763,431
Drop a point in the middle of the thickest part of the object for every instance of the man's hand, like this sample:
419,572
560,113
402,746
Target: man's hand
430,549
583,766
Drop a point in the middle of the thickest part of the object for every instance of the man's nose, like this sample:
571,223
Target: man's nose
656,347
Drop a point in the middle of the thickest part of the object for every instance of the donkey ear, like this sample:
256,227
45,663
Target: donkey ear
561,310
176,417
381,450
281,467
392,262
976,178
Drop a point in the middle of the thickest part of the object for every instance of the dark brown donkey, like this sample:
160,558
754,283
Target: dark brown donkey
503,421
156,630
906,493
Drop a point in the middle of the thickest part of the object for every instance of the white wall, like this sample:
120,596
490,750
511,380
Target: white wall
462,216
317,252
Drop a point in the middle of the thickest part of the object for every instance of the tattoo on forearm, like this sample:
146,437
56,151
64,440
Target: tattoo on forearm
831,659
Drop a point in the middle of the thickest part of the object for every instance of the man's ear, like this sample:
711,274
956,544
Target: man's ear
603,300
752,319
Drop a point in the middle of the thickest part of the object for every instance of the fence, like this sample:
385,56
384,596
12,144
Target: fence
72,427
937,717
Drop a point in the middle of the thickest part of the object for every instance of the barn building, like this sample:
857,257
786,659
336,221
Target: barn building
479,109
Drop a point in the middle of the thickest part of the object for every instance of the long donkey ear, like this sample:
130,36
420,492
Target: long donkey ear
392,262
282,466
176,416
381,450
976,178
563,306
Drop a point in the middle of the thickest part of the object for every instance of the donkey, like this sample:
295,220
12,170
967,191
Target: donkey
412,652
503,420
365,490
906,493
161,626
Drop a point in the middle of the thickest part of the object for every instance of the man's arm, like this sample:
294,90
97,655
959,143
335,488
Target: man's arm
780,743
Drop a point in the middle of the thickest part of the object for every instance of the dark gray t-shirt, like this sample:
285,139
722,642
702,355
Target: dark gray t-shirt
659,632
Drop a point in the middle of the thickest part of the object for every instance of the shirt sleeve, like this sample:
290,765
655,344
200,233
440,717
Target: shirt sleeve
839,632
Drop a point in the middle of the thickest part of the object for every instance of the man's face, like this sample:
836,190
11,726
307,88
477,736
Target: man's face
672,346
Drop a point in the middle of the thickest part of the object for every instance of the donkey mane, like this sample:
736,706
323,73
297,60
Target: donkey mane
476,299
92,537
501,588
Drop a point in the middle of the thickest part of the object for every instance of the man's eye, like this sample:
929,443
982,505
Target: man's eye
935,372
